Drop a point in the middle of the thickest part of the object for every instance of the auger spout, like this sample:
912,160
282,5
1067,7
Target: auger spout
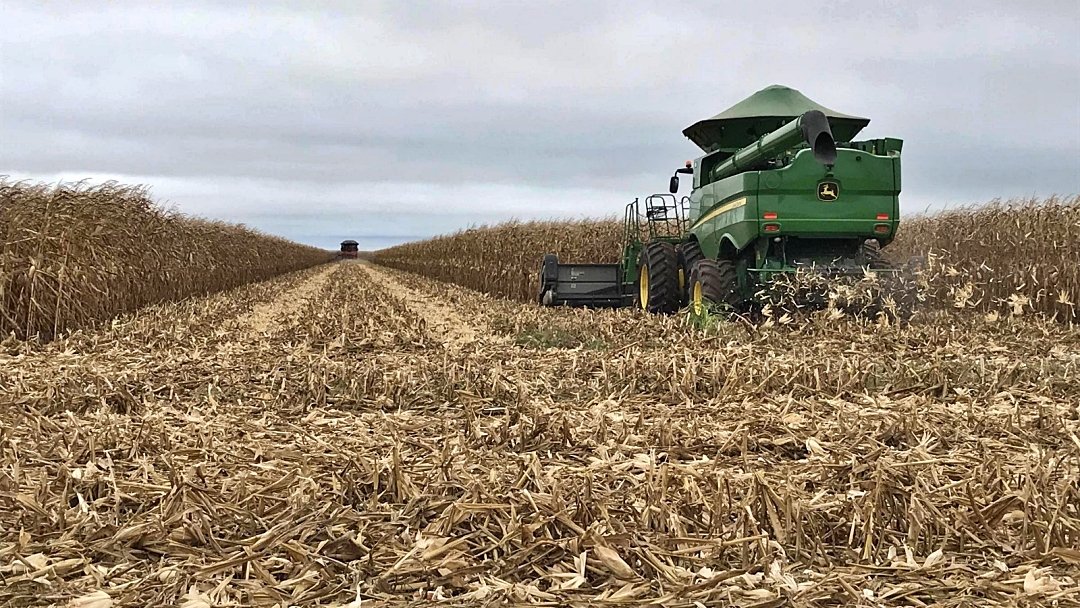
811,128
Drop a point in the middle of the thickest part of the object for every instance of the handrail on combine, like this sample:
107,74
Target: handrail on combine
664,217
631,228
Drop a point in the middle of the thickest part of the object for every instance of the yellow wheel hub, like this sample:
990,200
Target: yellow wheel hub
643,287
697,300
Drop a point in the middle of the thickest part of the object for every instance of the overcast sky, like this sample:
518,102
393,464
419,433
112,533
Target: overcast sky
389,121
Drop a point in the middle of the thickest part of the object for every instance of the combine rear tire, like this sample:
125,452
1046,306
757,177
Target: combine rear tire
715,282
658,278
870,254
689,255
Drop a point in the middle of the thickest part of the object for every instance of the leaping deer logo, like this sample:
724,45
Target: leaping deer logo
828,191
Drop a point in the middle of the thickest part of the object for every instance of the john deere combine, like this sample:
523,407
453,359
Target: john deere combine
782,186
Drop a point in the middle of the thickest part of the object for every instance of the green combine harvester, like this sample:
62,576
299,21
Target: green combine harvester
782,187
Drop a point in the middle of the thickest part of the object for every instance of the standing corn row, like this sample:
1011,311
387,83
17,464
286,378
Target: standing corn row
503,260
74,254
1010,258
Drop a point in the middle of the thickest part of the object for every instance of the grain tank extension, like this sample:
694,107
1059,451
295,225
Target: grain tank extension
782,186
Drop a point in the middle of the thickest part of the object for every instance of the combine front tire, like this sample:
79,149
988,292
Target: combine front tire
658,278
689,255
715,282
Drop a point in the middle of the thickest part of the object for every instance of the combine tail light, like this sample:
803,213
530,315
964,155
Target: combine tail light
883,216
772,227
881,228
771,215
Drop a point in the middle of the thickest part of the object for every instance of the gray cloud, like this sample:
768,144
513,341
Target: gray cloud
404,119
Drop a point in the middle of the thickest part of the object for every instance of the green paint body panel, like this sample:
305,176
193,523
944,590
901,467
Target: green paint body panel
737,226
868,188
762,113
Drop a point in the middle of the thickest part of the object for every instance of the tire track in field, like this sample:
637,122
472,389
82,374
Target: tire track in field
271,316
442,320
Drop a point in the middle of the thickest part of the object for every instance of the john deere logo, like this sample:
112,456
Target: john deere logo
828,191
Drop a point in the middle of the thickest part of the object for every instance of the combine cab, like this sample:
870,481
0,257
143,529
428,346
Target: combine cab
349,250
781,187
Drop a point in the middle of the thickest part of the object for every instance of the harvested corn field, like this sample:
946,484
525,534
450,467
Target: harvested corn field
357,436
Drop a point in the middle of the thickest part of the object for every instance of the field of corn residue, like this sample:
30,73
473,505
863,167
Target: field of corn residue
1012,257
356,436
72,255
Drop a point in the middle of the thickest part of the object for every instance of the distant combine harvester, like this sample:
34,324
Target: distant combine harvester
349,250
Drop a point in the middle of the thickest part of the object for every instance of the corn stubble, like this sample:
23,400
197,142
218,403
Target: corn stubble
346,452
73,255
